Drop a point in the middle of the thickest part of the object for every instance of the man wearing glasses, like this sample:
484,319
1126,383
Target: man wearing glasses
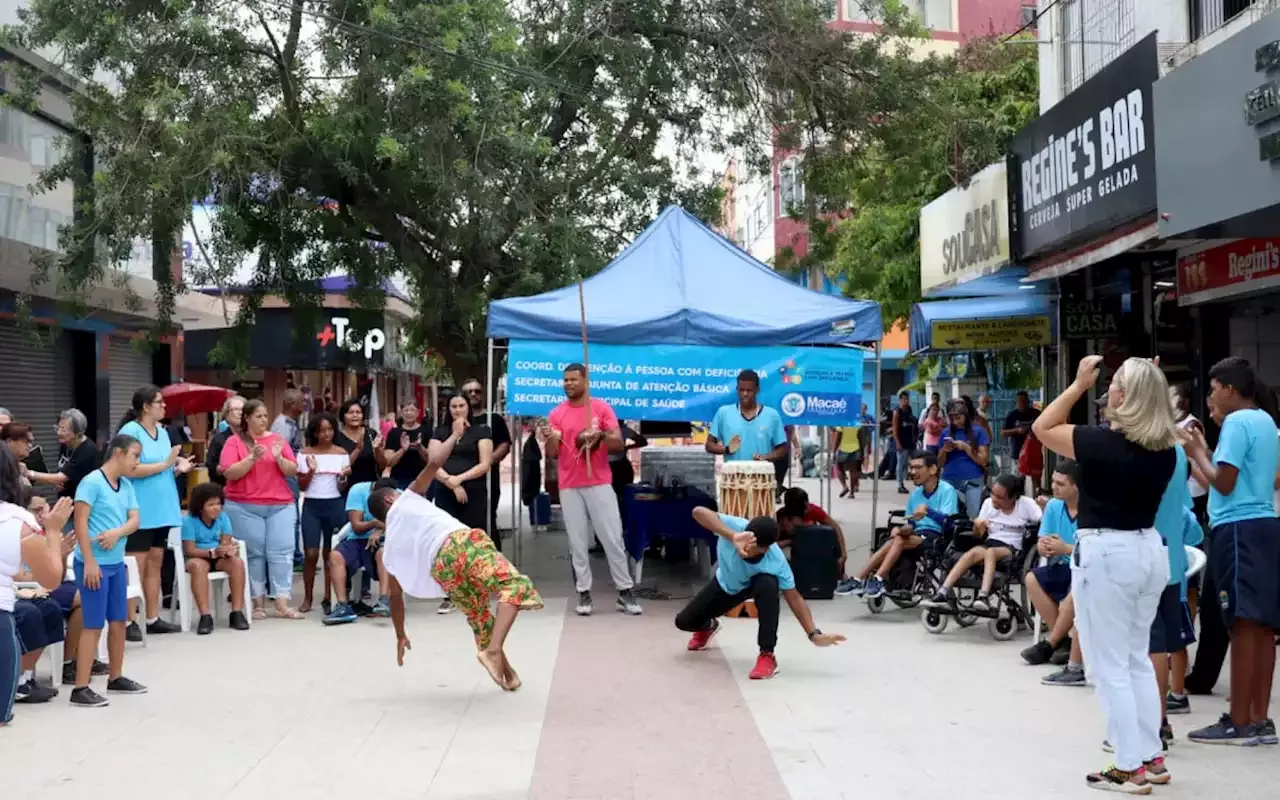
473,390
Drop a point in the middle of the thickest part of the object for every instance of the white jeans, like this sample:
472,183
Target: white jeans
1117,578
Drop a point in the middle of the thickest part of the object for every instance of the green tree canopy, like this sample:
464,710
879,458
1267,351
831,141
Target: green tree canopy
966,110
476,148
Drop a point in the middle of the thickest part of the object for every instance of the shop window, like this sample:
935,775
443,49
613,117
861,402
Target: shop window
859,10
792,185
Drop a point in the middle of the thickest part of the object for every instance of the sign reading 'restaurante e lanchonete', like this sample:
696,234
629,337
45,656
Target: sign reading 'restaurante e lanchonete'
1088,164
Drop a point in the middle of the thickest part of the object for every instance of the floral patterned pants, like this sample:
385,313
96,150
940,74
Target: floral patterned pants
471,570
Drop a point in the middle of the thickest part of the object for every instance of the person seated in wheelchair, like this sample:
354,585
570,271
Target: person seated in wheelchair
1001,525
1049,585
797,512
929,505
208,546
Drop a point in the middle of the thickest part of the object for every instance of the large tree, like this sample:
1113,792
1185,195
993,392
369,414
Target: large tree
967,108
476,148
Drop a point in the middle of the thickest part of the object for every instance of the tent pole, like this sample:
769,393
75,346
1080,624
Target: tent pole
517,524
875,443
488,400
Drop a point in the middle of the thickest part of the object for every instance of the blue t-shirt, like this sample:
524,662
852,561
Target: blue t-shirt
1248,443
158,504
1176,497
358,500
109,507
944,501
1057,521
759,434
1188,532
959,466
734,574
205,537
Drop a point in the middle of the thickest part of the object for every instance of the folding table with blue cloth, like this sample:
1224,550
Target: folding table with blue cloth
663,514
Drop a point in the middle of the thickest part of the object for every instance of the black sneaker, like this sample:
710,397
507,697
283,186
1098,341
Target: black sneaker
99,669
238,621
1038,653
123,685
1060,657
84,697
69,673
33,692
1267,732
1166,735
1067,676
326,606
160,627
133,633
1177,705
205,626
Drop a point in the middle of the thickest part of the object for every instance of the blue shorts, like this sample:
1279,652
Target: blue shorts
39,624
109,602
1245,563
1172,629
1055,579
65,596
356,554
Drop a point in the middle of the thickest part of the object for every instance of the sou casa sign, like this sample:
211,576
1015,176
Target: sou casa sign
964,234
1088,164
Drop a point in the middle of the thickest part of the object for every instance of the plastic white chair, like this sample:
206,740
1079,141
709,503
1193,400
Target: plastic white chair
54,652
134,592
217,594
1196,559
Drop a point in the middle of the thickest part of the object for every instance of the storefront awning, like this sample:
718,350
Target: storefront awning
1025,319
1007,281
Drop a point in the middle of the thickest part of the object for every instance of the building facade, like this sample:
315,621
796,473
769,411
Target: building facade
92,361
1144,192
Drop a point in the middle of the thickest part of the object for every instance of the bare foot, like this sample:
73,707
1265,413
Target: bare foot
305,607
513,680
492,663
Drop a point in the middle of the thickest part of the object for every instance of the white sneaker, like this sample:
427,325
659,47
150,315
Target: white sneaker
627,603
584,607
446,606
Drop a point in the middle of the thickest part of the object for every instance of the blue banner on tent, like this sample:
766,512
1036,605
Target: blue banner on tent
687,383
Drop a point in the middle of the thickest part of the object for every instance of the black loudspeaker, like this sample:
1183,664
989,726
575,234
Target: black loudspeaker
815,561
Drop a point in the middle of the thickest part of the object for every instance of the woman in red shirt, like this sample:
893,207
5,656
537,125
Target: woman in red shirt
256,464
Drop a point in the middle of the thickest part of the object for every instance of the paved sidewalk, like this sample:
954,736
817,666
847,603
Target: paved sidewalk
612,708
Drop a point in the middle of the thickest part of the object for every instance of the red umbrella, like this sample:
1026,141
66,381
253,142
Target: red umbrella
194,398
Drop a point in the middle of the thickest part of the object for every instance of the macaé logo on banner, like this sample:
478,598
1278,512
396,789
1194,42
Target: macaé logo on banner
686,383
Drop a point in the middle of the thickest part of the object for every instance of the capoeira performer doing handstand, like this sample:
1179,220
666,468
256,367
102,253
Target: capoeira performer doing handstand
429,554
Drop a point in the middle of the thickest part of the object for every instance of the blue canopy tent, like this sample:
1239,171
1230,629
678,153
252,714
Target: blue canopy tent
1009,280
680,283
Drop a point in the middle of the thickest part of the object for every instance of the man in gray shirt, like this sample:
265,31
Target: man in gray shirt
286,427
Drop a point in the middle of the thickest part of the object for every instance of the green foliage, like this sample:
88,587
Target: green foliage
491,149
963,113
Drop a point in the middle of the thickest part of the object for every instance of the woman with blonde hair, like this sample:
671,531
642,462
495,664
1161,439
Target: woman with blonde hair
1119,566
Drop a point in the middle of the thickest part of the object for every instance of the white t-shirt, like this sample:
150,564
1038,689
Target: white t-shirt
1008,528
1193,485
416,530
324,484
12,518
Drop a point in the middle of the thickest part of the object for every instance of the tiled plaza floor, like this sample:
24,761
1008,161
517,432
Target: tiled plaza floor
612,708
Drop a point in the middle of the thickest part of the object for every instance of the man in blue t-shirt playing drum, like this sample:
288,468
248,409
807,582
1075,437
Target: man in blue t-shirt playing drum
749,566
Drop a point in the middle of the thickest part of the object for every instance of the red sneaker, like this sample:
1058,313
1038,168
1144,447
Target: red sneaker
701,639
766,667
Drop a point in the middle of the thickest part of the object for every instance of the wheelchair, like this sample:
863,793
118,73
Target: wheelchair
918,573
1007,614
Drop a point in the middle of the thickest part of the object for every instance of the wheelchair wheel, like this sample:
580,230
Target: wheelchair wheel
935,621
1002,629
875,604
906,602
